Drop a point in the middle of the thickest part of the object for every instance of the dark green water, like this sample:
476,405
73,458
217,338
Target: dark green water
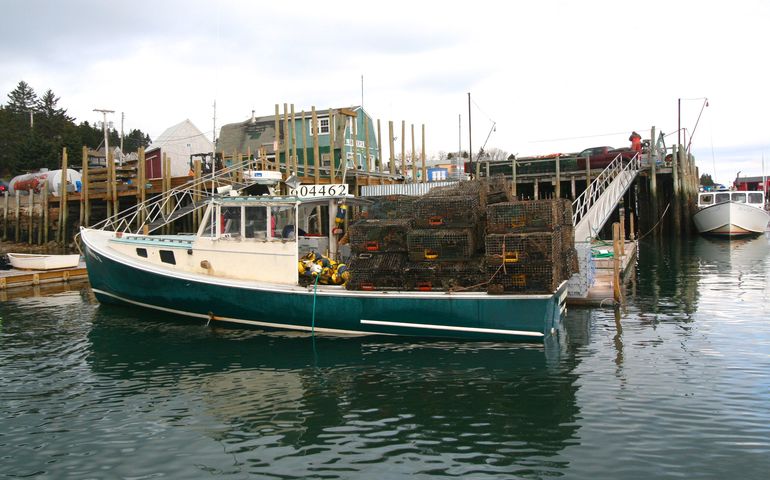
676,385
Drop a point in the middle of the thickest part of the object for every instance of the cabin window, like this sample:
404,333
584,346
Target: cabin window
756,198
282,222
231,221
208,228
255,219
167,256
142,252
707,199
738,197
722,197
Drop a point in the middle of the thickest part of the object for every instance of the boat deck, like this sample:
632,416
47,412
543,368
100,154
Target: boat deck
24,278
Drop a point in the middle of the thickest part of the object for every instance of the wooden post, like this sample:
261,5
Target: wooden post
277,143
316,154
422,156
675,176
29,216
414,158
142,174
622,215
42,224
366,143
295,162
536,189
115,200
684,189
653,167
84,202
354,136
572,189
403,148
588,173
286,140
17,220
197,193
558,177
616,262
5,215
333,145
381,164
392,148
304,144
46,227
63,195
631,234
514,186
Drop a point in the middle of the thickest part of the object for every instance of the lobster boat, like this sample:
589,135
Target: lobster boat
731,214
305,262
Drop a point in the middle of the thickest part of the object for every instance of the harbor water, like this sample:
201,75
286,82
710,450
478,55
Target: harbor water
674,385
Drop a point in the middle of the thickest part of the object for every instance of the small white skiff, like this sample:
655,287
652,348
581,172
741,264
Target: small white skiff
31,261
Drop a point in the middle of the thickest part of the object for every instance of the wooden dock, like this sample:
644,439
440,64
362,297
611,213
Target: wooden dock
25,278
601,293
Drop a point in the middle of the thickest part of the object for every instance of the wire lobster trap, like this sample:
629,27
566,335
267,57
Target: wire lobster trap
388,207
488,190
570,263
453,211
530,277
527,216
379,235
371,271
521,248
468,275
449,244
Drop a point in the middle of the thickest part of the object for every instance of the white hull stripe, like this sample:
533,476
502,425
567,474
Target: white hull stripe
239,320
452,328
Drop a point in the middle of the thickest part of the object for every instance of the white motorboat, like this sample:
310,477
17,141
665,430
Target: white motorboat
31,261
731,214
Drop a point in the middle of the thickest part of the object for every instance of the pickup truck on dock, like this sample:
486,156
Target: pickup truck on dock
603,156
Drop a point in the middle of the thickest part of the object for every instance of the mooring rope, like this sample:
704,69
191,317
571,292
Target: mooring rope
315,292
656,224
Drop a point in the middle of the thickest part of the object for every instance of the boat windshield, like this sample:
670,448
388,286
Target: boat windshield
706,199
738,197
722,197
756,198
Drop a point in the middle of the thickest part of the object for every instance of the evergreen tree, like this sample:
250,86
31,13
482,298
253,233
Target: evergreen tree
47,105
22,99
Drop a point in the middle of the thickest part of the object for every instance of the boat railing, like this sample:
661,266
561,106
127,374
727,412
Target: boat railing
594,195
164,208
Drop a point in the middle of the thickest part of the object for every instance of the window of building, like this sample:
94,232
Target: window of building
167,256
323,127
142,252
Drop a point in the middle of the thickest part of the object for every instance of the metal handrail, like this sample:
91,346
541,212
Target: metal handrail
159,210
591,196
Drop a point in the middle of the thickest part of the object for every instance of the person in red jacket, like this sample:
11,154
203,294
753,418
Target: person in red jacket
636,142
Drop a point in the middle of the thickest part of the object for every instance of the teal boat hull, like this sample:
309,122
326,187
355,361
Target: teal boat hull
326,310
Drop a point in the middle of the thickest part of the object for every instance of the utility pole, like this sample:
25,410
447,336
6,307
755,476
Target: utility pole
106,137
122,120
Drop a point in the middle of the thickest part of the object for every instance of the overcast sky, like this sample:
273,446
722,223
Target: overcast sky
556,76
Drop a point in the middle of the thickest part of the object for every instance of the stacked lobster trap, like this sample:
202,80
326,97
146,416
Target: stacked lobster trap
469,237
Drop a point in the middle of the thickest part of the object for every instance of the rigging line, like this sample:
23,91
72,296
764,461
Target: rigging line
584,136
482,111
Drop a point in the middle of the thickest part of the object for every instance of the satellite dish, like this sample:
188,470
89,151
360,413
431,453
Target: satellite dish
292,182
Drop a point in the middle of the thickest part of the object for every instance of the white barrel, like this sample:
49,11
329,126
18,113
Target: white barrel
36,181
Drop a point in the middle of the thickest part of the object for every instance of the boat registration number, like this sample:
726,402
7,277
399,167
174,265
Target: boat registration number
311,191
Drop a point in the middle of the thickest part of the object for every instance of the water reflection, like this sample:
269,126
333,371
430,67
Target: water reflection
286,403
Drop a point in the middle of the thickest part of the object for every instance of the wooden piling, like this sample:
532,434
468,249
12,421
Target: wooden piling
17,220
83,180
45,203
392,161
31,206
422,157
304,145
616,262
514,188
675,191
316,154
286,140
277,143
403,148
142,174
332,145
366,143
558,176
631,234
40,222
294,141
5,215
354,136
381,164
414,158
63,195
572,189
622,215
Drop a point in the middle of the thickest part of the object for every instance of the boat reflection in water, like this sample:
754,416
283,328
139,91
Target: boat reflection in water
290,403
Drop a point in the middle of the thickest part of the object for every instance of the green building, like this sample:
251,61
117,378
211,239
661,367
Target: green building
258,133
